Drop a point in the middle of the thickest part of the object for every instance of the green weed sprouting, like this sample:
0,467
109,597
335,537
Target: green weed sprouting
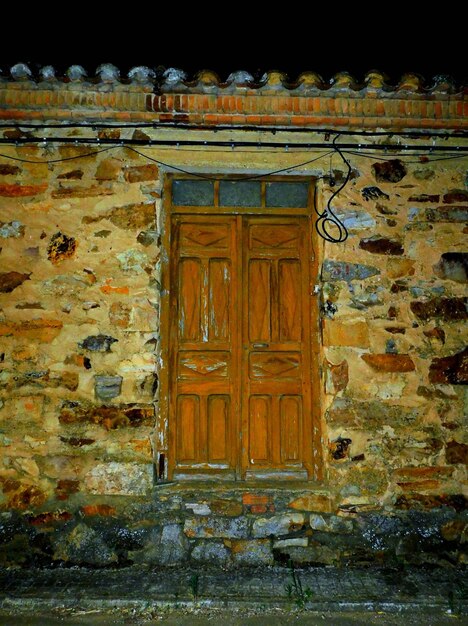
194,583
295,590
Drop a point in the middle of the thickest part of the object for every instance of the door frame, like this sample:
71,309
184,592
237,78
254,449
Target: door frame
164,444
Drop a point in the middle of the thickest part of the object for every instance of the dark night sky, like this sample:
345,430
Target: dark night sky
425,48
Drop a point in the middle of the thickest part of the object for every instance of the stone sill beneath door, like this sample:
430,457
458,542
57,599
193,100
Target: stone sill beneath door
319,488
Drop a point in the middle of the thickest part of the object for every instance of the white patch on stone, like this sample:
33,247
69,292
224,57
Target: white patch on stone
276,525
302,542
27,466
317,522
125,479
198,508
11,229
388,391
132,261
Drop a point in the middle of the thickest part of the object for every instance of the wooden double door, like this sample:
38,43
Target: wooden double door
241,393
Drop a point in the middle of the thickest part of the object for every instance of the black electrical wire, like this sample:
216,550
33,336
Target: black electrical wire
375,157
252,177
246,128
327,216
327,221
225,144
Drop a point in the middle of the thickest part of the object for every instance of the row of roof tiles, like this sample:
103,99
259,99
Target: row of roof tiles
173,79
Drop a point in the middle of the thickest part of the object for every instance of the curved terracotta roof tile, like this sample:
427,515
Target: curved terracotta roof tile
169,96
207,80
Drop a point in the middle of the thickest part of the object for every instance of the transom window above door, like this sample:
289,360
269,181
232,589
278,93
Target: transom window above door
240,193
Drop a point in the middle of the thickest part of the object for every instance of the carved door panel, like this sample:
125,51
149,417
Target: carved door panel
204,366
276,348
240,356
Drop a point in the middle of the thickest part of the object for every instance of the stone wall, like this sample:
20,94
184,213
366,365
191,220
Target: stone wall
79,304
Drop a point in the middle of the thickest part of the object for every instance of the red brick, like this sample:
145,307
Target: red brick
258,508
255,499
44,330
389,362
104,510
50,517
19,191
419,484
423,472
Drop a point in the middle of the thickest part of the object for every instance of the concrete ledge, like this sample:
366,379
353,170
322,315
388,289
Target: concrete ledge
323,589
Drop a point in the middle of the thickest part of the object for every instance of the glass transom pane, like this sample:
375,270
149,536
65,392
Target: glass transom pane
287,194
240,193
193,192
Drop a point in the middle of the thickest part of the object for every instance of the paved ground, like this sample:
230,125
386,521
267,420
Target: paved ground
231,618
272,596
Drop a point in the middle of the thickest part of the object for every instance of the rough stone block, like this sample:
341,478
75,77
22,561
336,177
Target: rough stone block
97,343
92,191
381,245
398,268
42,330
355,220
337,377
9,170
100,510
108,169
447,214
211,553
82,546
342,270
454,196
447,309
453,266
9,281
229,508
198,508
140,173
20,191
456,452
312,502
277,524
111,417
354,334
389,171
61,247
132,261
252,552
207,527
389,362
107,387
173,545
451,369
312,555
125,479
13,229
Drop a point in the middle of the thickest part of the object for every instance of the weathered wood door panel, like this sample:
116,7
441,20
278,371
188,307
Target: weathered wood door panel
240,347
203,331
276,347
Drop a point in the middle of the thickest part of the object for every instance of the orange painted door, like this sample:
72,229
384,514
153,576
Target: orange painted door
276,420
204,365
240,355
